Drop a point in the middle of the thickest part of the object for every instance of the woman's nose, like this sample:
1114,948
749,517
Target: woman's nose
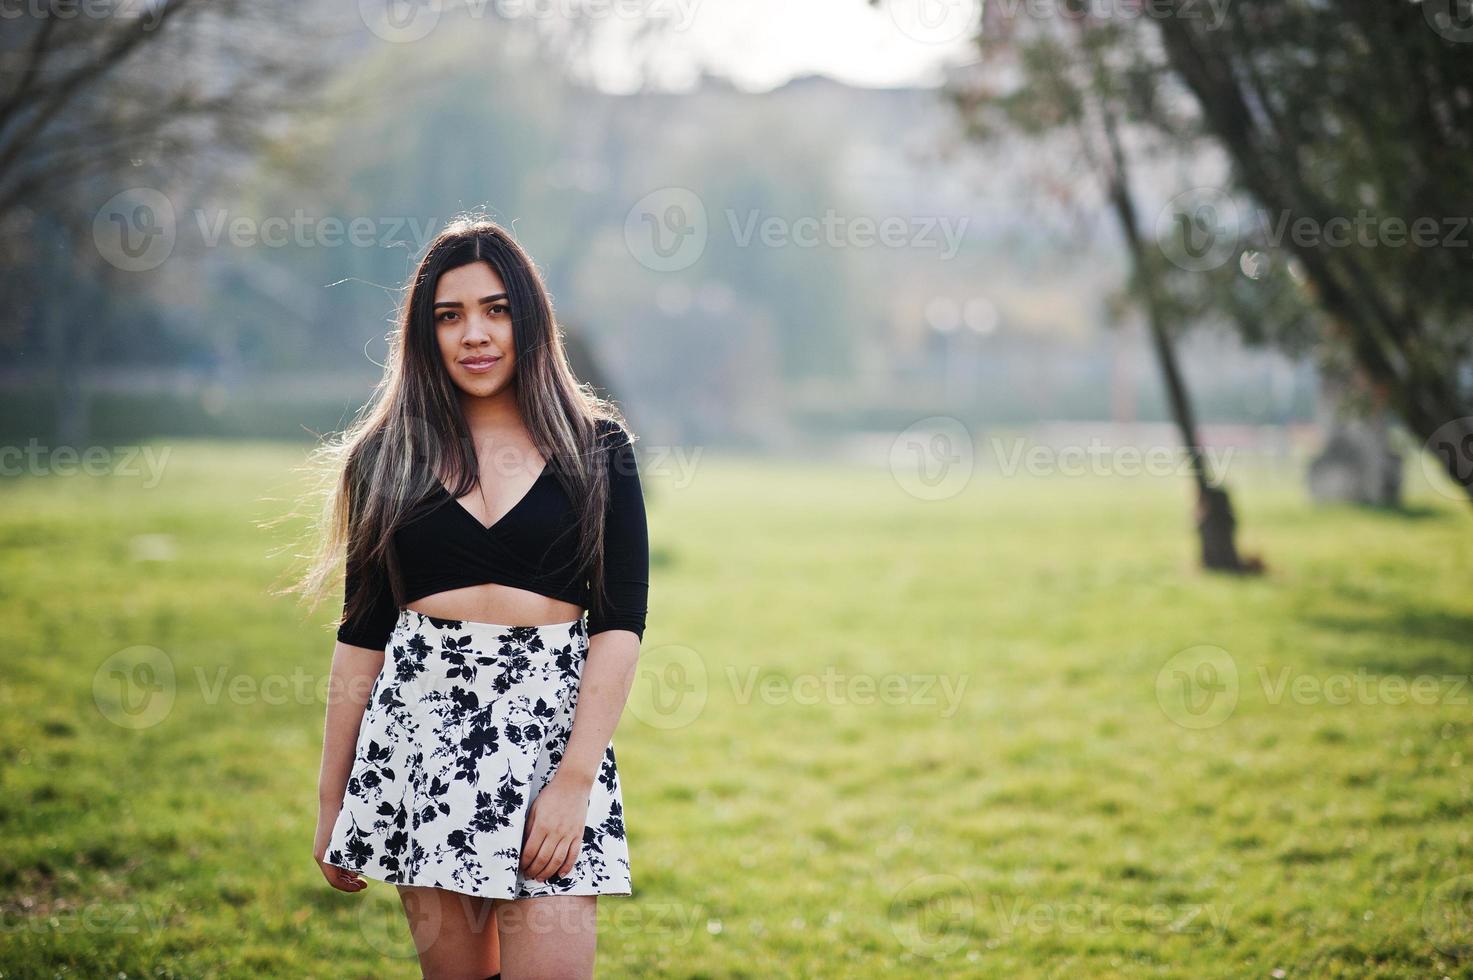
477,328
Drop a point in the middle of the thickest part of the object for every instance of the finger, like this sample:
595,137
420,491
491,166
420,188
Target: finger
537,857
570,863
531,846
559,855
531,823
542,858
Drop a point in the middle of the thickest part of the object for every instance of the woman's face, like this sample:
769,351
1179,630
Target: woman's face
473,325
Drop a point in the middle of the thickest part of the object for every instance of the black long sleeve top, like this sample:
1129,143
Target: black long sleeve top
533,546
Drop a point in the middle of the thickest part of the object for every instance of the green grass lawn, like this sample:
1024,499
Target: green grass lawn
1009,733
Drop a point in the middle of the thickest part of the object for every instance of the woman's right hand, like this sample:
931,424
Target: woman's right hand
340,878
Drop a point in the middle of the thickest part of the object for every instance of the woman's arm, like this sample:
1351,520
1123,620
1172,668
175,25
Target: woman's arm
354,670
616,631
553,835
608,675
357,660
554,831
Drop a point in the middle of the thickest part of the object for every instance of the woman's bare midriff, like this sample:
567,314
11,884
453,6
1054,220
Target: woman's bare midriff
499,604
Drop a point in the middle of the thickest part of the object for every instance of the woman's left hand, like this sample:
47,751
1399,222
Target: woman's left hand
554,832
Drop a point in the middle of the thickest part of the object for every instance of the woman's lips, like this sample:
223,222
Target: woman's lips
480,365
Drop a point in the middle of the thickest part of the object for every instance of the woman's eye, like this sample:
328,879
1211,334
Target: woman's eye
444,316
500,308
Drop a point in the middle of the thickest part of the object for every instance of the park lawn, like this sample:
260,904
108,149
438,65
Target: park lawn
873,735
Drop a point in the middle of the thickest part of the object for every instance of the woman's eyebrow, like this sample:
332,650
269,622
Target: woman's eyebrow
483,299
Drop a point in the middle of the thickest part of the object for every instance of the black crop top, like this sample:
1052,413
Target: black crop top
533,546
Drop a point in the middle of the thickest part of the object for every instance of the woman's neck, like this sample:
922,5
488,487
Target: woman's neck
493,414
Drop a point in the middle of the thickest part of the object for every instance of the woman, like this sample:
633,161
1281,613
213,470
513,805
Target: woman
486,498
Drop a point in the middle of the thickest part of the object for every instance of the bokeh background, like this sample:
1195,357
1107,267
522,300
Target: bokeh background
1056,420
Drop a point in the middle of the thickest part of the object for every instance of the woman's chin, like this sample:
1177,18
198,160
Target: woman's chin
480,386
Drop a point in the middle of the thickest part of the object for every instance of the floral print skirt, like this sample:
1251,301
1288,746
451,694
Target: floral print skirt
464,726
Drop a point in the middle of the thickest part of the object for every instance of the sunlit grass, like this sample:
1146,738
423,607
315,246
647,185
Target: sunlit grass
875,735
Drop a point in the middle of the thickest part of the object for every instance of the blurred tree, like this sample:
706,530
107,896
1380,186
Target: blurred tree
1358,463
1353,129
102,99
1085,84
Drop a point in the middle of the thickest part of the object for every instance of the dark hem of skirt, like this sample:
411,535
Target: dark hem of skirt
381,876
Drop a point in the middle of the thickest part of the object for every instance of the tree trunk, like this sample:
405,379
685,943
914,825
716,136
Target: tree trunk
1217,527
1216,523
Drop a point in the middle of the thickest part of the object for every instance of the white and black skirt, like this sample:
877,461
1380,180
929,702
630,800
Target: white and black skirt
464,726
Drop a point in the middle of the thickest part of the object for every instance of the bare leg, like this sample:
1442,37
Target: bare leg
455,934
553,936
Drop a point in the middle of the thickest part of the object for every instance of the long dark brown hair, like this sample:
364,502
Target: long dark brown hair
412,432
